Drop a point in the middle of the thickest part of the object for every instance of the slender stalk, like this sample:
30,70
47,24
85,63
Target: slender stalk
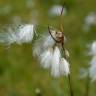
62,43
88,85
70,85
61,20
69,75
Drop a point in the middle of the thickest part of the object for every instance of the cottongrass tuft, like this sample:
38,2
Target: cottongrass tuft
49,54
55,67
59,66
93,49
64,67
22,34
91,71
92,68
42,44
46,57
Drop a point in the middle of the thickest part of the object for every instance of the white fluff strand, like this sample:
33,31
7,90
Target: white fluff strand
45,58
64,67
55,70
22,34
42,44
25,33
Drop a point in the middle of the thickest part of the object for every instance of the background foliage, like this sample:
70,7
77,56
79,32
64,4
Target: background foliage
20,73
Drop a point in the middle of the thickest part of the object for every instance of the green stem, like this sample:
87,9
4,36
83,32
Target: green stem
69,75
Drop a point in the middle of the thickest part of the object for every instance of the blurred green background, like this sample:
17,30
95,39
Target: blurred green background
20,72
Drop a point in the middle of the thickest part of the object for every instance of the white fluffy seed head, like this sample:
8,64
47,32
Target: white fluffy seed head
20,35
45,58
8,37
92,68
55,70
25,33
93,48
92,71
42,44
64,67
48,41
93,61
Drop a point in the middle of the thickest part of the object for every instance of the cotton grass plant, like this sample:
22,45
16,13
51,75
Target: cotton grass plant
21,34
90,72
49,52
92,68
49,49
52,53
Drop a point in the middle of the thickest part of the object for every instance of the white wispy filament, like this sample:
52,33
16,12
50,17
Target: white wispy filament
93,49
22,34
92,69
42,44
25,33
46,57
64,67
55,67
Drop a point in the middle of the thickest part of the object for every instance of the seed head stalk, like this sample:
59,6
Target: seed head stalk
62,30
69,75
63,48
61,41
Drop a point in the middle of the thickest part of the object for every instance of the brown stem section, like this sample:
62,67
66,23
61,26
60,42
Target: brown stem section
61,20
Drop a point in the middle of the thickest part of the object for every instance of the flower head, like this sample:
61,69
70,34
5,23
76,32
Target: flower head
25,33
45,58
92,68
55,66
64,67
19,35
93,49
48,50
40,46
